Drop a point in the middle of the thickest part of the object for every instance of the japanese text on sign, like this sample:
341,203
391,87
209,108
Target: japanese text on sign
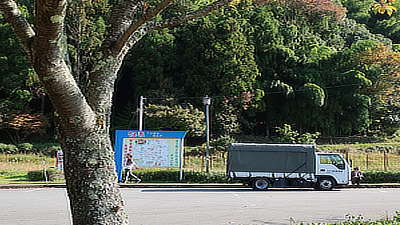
153,152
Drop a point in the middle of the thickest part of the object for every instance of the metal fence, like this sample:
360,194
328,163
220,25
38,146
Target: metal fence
380,161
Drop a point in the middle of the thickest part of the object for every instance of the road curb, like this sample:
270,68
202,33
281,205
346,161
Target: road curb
174,185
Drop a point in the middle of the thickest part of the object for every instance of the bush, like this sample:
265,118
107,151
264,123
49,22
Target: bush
204,177
8,148
52,175
25,147
157,175
47,149
152,175
381,177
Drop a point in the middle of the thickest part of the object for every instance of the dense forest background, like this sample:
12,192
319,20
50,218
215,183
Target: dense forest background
272,68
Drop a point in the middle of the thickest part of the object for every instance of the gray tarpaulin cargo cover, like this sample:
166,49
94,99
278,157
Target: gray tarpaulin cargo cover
273,158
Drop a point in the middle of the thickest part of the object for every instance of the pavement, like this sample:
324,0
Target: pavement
174,185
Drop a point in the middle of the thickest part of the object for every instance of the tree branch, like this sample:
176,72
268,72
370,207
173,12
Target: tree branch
136,25
121,18
51,66
20,26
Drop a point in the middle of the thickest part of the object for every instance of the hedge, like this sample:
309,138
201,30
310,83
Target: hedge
52,175
153,175
381,177
173,176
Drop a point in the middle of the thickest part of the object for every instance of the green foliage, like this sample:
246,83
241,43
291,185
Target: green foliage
8,148
314,94
52,175
153,175
317,65
125,119
183,118
25,147
385,117
359,10
217,58
86,28
47,149
287,135
358,220
151,66
226,121
381,177
381,23
15,93
204,177
221,144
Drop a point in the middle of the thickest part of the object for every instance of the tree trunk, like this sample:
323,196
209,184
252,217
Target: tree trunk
91,180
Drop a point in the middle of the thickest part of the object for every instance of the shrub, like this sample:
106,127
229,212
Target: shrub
48,149
25,147
188,176
8,148
52,175
381,177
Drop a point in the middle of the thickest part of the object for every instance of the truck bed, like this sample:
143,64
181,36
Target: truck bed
270,158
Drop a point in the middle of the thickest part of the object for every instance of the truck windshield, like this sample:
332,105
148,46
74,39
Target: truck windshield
335,160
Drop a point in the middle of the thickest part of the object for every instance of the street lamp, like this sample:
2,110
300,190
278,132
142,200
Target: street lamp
141,113
207,103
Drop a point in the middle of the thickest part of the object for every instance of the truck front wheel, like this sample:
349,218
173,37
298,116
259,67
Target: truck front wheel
260,184
326,184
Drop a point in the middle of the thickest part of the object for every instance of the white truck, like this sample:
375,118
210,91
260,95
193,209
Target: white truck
285,165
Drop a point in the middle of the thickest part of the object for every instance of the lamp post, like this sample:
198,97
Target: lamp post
207,103
141,113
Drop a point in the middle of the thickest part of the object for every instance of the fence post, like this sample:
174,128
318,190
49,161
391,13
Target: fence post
385,160
384,156
202,159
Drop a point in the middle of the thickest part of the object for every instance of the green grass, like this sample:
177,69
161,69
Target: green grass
14,167
358,220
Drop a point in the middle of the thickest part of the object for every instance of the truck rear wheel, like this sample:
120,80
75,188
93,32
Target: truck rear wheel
326,184
260,184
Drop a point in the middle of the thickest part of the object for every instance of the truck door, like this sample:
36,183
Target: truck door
335,166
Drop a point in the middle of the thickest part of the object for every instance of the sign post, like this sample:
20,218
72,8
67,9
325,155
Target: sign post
149,149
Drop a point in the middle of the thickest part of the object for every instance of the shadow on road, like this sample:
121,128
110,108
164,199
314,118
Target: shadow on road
214,190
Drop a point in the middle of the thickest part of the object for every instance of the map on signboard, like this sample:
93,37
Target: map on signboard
150,152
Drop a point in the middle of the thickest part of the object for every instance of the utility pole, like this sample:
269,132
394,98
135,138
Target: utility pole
207,103
141,113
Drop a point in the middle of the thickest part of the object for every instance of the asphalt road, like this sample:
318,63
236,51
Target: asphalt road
209,206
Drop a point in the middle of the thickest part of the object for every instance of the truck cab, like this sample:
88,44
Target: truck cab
331,170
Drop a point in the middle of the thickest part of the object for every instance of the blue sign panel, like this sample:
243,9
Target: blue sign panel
149,148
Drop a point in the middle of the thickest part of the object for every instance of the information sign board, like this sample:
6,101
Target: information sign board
149,148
